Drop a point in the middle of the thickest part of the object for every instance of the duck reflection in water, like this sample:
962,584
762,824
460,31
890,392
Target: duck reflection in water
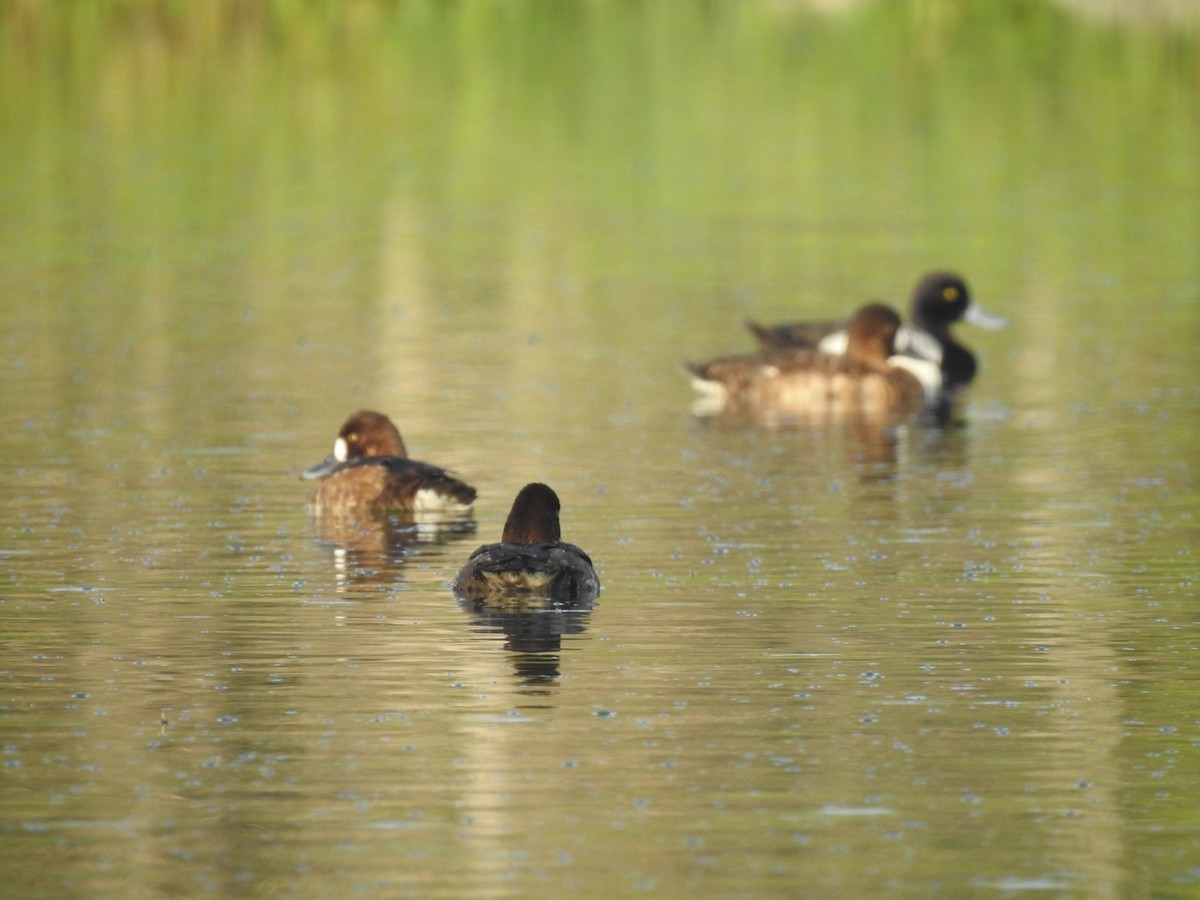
532,636
871,449
372,549
532,586
374,505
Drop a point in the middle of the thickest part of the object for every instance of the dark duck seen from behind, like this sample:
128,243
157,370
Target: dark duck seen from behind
531,559
369,472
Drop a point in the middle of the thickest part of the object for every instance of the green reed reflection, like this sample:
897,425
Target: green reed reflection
214,111
269,144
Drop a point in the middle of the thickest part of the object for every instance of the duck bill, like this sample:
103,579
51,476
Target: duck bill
977,315
321,469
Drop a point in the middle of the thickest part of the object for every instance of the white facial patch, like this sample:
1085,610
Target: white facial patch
339,449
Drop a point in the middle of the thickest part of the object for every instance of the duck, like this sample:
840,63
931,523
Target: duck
369,472
939,300
868,381
531,560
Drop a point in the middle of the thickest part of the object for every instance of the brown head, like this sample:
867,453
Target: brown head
365,433
534,516
871,335
368,433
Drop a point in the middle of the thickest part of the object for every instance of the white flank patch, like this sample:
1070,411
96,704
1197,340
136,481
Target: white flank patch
911,341
712,397
708,387
915,342
429,500
928,373
834,344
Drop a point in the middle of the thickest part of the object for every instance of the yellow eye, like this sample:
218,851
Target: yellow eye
352,437
950,294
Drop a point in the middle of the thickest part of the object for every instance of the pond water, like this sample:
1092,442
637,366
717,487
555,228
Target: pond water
826,661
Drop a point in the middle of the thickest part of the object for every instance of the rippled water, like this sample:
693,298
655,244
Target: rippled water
826,662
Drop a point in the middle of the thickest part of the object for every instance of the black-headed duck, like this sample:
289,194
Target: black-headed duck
531,559
369,471
938,301
867,381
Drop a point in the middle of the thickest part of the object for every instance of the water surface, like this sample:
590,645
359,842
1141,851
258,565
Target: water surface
831,661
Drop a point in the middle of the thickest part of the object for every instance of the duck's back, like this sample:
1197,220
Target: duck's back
388,483
554,569
794,335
